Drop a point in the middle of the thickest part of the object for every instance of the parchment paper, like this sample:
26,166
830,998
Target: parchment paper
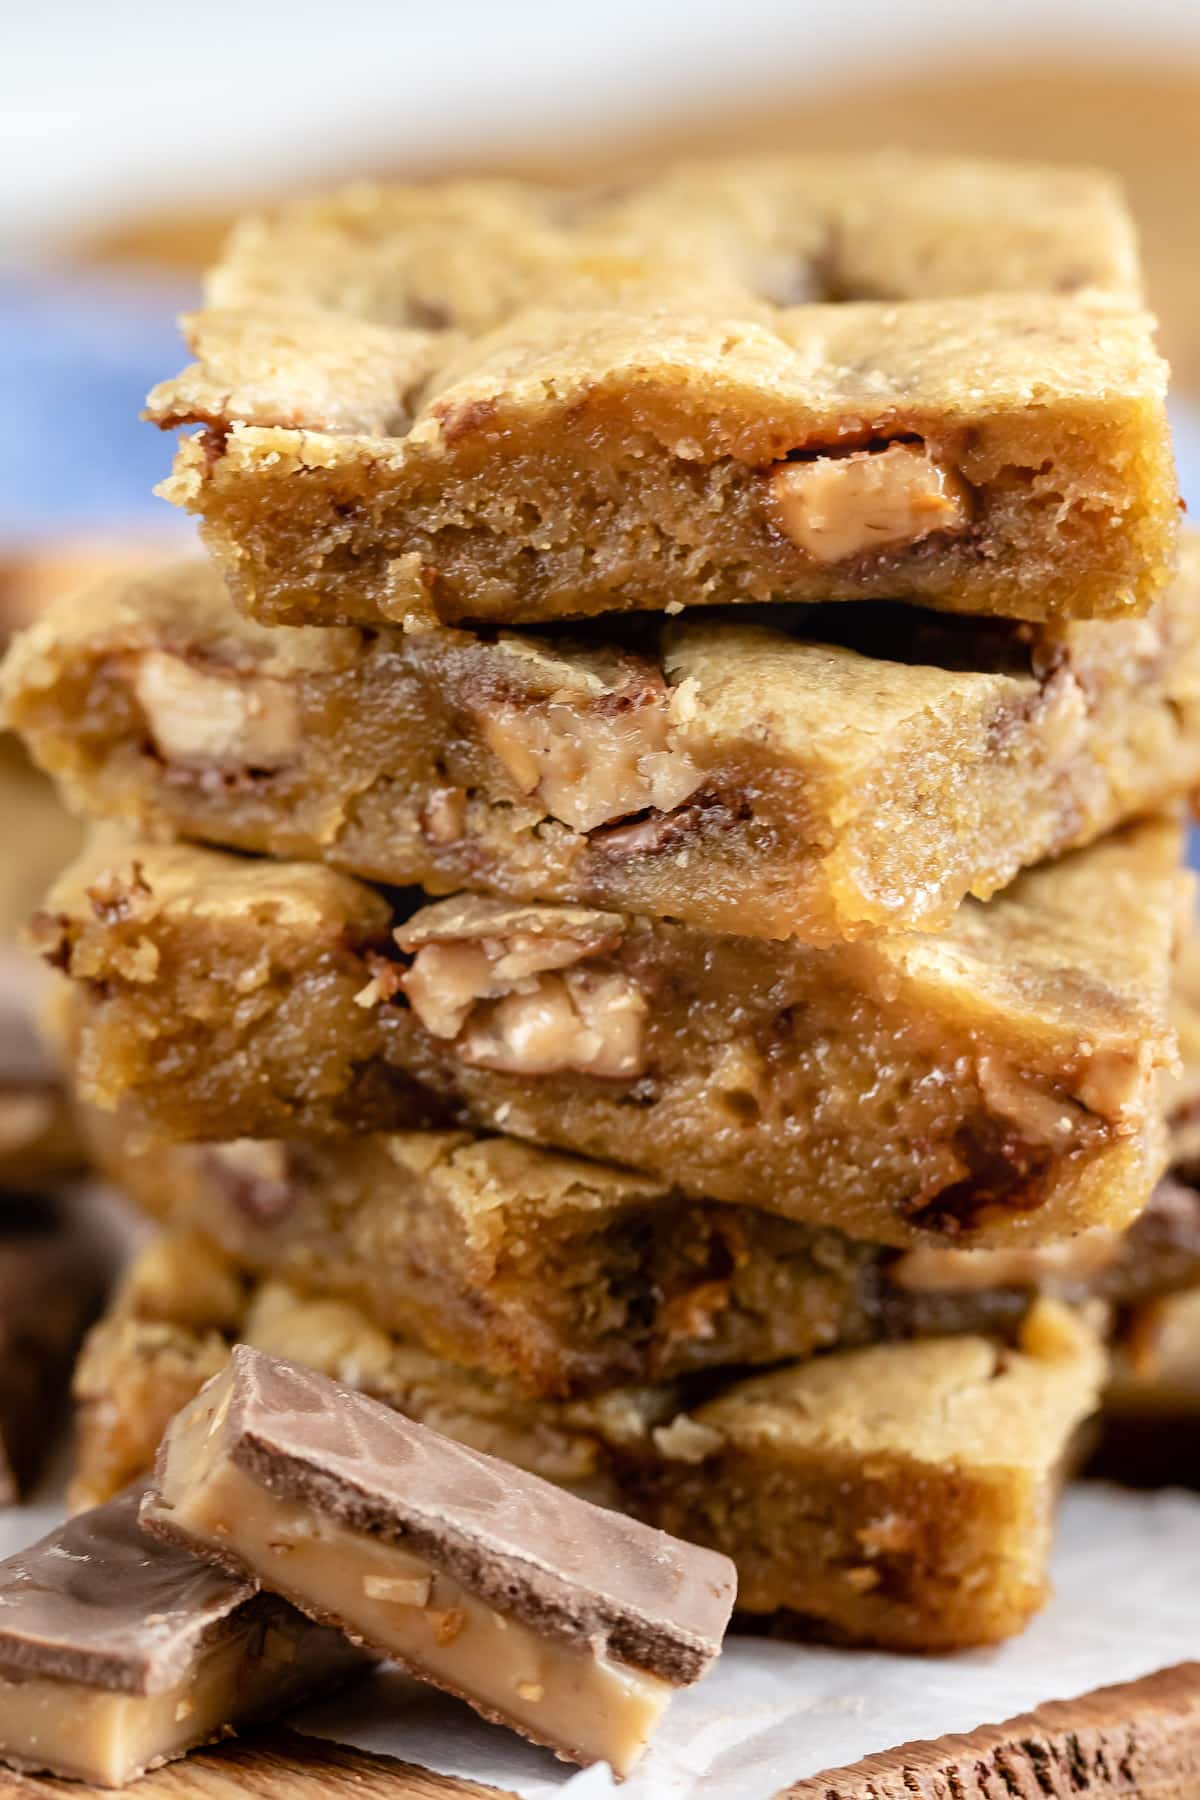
1127,1602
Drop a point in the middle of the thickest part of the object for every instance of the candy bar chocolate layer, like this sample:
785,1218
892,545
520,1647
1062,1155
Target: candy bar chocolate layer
822,773
544,1612
763,379
899,1496
119,1652
999,1082
566,1276
54,1268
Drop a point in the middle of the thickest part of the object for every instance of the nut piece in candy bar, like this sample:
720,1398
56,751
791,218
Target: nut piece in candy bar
119,1651
565,1621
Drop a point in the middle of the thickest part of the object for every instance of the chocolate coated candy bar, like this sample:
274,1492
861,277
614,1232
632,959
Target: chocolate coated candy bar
565,1621
119,1651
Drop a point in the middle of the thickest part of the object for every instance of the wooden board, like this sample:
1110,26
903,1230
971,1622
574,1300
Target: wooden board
280,1765
1140,1741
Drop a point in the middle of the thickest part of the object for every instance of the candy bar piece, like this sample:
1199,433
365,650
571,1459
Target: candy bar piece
823,773
917,1528
544,1612
764,379
997,1083
568,1276
54,1267
119,1652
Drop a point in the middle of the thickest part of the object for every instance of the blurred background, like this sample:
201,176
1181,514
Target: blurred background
130,132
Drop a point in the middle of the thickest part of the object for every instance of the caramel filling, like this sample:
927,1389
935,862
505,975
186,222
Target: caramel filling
838,507
93,1734
574,1699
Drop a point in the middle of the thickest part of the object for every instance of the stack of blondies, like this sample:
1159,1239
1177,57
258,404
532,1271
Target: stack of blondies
634,902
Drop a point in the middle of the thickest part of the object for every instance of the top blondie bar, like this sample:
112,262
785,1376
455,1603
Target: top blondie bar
766,378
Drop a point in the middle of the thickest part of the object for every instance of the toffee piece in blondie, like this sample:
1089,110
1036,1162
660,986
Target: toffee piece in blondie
767,379
1000,1082
565,1277
900,1496
816,772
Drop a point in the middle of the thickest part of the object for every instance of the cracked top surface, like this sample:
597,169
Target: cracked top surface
947,1400
384,310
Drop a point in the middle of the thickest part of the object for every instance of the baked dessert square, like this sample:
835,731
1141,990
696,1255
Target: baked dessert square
1000,1082
565,1277
920,1525
762,379
813,772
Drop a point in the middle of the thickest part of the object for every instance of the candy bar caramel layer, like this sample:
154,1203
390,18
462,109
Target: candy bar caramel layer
900,1496
998,1083
817,772
768,378
565,1276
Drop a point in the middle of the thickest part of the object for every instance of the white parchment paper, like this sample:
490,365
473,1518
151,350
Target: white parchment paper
1127,1602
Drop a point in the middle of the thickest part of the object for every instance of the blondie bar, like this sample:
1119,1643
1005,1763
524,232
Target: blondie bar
999,1083
899,1496
780,378
565,1276
819,773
